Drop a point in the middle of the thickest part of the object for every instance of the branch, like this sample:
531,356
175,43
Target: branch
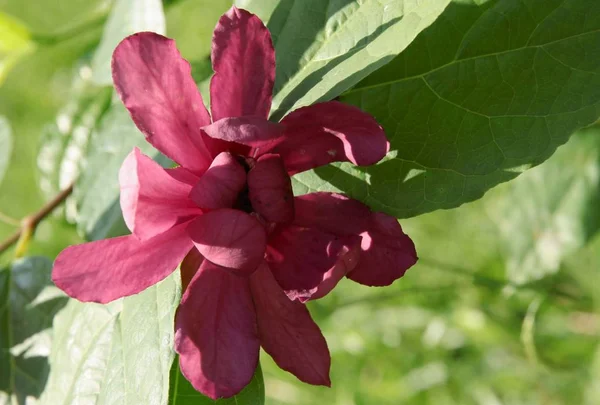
30,222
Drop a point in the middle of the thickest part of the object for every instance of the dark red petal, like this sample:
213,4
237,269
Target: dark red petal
330,132
152,200
243,59
386,251
252,131
105,270
308,261
229,238
189,266
270,189
156,86
216,332
287,331
220,185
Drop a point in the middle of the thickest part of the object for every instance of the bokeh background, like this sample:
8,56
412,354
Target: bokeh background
502,309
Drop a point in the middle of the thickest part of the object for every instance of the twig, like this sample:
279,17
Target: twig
30,222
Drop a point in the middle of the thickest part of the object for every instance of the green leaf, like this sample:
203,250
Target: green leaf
28,301
325,47
119,353
5,146
530,224
181,392
488,91
97,191
126,18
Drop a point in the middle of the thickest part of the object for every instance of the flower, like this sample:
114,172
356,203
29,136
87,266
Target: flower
251,253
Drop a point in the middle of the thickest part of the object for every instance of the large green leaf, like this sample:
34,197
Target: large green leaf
126,18
181,392
28,301
325,47
5,146
97,191
525,228
119,353
489,90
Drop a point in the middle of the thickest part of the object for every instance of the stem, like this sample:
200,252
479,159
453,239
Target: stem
30,222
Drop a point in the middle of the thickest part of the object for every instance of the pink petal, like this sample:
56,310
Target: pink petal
229,238
152,200
105,270
270,189
330,132
216,333
220,185
287,331
189,266
386,251
307,261
252,131
156,86
243,59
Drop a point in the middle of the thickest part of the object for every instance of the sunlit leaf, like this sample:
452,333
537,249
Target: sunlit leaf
14,43
126,18
489,90
325,47
28,301
119,353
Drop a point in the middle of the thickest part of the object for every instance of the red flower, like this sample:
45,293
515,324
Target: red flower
228,211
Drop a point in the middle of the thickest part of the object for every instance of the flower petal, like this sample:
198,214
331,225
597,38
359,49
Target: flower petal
216,333
287,331
243,59
330,132
156,86
270,189
220,185
307,261
107,269
252,131
386,251
152,200
229,238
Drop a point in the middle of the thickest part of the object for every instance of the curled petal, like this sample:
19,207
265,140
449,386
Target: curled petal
330,132
229,238
189,266
107,269
386,251
307,261
287,331
216,333
152,200
243,59
270,189
252,131
220,185
156,86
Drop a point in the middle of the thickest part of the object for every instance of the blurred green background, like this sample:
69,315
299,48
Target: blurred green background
502,309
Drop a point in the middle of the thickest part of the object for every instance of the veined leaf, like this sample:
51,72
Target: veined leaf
486,92
28,301
126,18
113,354
325,47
